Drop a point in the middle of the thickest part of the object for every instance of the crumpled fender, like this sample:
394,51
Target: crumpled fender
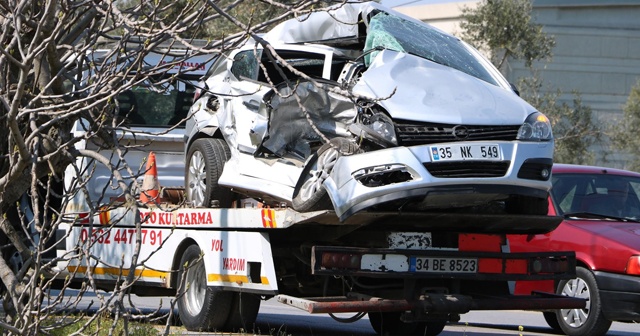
202,120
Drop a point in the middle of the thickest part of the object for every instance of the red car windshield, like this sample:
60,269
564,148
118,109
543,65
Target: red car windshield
606,195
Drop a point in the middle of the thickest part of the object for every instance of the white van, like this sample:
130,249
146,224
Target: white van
151,115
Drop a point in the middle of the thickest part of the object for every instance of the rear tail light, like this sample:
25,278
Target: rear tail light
633,266
341,260
549,265
523,266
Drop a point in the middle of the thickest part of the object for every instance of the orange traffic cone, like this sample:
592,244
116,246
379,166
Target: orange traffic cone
150,187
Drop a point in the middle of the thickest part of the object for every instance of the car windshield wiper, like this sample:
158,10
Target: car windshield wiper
367,52
592,215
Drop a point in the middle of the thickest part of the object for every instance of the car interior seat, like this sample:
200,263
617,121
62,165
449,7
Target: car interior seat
592,202
600,200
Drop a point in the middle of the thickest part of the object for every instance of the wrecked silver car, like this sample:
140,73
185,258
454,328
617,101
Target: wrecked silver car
363,108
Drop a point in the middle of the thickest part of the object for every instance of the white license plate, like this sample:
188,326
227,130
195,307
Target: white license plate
443,265
465,152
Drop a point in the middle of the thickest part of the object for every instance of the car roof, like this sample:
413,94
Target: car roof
560,168
340,21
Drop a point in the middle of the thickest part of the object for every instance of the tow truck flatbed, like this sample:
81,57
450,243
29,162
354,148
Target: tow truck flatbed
282,218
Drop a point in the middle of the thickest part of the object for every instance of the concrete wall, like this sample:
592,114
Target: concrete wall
597,53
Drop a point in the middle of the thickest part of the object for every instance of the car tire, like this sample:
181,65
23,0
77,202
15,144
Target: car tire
205,160
552,320
389,323
200,308
433,328
309,193
243,314
589,321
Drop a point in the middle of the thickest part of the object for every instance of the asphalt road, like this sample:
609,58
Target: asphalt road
281,320
276,317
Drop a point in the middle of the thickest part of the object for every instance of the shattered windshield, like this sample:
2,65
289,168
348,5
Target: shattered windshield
391,32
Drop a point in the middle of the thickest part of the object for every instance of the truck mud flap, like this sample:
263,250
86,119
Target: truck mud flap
432,303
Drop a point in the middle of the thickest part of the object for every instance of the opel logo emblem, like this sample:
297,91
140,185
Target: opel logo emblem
460,132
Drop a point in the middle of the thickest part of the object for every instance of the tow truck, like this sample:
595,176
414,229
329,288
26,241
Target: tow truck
410,272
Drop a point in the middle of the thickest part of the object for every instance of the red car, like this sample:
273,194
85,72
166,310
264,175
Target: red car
601,224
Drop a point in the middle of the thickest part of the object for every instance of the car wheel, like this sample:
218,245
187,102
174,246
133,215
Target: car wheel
205,160
200,307
587,321
244,311
309,193
390,324
552,320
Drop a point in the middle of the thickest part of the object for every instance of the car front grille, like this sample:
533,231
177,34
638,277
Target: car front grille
411,133
467,169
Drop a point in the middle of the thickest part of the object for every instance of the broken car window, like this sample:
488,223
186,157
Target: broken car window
311,64
391,32
245,65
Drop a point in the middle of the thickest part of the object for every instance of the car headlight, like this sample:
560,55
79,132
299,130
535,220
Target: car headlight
377,127
535,128
633,265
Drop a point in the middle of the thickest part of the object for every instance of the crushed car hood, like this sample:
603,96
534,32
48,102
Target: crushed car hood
422,90
400,61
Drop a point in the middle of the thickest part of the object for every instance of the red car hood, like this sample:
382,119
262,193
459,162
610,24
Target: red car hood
623,233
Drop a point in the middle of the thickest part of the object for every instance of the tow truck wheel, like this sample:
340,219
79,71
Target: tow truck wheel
587,321
552,320
309,193
205,160
244,311
433,328
200,307
389,324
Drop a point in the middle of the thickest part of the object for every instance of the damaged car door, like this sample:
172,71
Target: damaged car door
255,96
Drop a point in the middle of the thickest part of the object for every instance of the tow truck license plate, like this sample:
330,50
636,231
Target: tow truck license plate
465,152
443,265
